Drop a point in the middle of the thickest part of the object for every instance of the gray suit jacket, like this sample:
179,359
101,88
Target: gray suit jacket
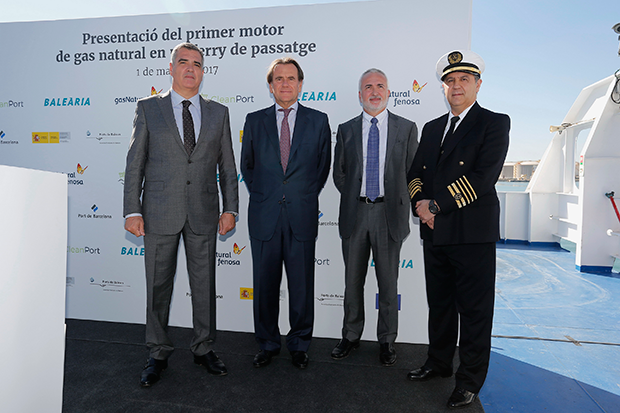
402,143
166,185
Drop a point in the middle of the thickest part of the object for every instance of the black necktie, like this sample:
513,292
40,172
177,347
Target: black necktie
189,136
450,131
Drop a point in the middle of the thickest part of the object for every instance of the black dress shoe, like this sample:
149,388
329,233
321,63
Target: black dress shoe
387,354
212,362
461,398
152,372
263,357
300,359
425,373
343,348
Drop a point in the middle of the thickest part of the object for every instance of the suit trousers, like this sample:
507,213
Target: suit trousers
160,258
460,286
371,233
298,259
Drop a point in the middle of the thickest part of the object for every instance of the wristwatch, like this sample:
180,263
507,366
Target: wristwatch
432,207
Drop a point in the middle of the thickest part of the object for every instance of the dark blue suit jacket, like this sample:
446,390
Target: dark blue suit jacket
306,173
462,178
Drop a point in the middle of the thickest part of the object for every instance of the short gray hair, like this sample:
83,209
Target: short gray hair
189,46
373,70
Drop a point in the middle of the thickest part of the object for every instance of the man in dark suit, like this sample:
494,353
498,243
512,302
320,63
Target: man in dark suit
179,143
285,160
374,152
452,187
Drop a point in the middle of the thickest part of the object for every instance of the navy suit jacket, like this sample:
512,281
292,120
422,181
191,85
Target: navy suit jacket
462,178
305,176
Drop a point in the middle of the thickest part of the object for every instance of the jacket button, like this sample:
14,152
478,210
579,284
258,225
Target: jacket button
188,182
285,182
424,167
189,161
461,163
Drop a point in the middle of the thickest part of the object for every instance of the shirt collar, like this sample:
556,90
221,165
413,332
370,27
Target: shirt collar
294,106
381,117
177,99
463,113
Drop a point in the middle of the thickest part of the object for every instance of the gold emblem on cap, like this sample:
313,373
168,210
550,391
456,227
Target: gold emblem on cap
455,57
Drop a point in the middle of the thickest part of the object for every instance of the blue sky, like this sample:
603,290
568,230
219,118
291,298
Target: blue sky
539,54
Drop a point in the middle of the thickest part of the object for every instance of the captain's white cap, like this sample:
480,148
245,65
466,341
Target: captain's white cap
460,61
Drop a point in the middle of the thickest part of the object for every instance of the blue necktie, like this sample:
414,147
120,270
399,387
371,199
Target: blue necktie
372,162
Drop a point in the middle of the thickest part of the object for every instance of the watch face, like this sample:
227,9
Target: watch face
432,207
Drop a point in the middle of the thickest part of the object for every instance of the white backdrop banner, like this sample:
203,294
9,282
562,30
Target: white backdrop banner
69,91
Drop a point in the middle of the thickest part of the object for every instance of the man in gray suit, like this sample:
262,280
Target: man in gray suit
372,157
179,143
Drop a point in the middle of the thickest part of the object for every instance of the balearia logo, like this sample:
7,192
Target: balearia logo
84,250
227,259
331,300
246,293
94,214
133,251
11,104
377,301
70,101
51,137
113,286
6,141
326,223
404,98
239,178
230,99
317,96
404,264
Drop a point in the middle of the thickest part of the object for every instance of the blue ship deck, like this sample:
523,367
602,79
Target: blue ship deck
556,336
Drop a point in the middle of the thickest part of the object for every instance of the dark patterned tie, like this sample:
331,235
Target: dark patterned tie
372,162
285,139
189,136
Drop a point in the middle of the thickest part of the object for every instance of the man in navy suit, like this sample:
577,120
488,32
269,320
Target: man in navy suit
452,187
285,161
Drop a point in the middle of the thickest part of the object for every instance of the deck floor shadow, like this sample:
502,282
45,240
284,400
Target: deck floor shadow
103,362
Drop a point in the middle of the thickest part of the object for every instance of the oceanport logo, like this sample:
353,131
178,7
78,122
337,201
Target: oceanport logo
51,137
70,101
83,250
317,96
7,141
11,104
321,261
230,99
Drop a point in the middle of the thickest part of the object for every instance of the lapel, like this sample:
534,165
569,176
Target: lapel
298,133
461,131
271,128
165,106
358,141
391,138
206,127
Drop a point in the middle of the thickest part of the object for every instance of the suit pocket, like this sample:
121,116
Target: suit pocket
153,185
